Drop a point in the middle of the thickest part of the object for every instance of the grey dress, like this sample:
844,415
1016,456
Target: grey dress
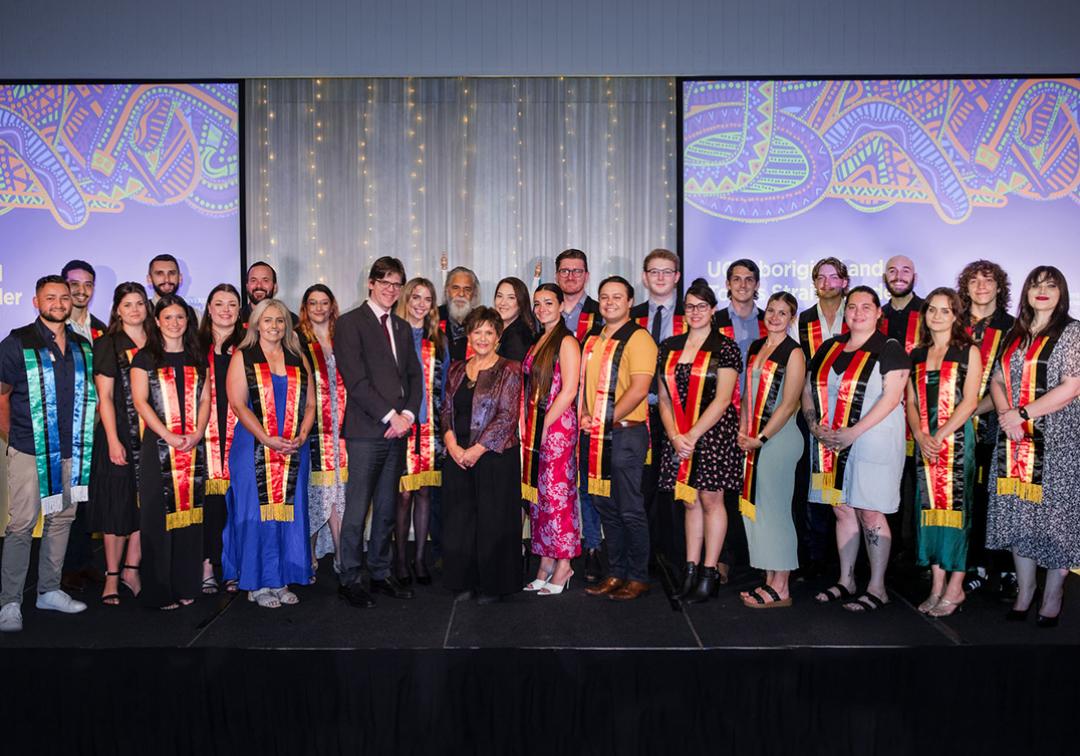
1048,532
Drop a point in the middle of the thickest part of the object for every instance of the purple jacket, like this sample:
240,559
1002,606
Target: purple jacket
495,408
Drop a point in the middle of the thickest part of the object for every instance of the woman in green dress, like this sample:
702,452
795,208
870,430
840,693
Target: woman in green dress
942,395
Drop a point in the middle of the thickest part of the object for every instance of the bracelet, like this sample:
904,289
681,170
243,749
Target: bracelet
762,438
1022,411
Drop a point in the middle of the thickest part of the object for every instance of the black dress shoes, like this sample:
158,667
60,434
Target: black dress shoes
391,587
593,569
356,596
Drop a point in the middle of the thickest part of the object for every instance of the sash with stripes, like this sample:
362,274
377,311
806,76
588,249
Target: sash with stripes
183,473
446,332
322,440
812,332
941,483
679,325
41,390
275,473
531,430
420,453
989,334
217,448
827,466
699,394
1020,463
135,423
96,333
722,322
766,394
909,338
609,352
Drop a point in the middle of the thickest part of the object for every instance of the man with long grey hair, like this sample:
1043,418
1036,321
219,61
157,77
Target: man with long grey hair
461,294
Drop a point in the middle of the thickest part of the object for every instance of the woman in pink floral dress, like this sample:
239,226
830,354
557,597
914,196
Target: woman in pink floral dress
549,444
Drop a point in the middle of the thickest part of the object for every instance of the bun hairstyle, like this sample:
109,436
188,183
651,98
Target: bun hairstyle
700,289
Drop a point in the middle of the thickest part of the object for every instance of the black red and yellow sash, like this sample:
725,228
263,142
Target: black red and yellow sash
827,466
217,448
722,322
766,393
275,473
942,483
135,423
420,452
812,332
182,472
586,324
323,439
989,334
679,325
531,430
911,328
446,332
96,333
1020,463
609,353
703,369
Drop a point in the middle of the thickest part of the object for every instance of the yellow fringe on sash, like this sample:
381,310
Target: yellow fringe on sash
824,480
175,520
1015,487
276,512
747,509
943,518
685,493
599,487
326,477
419,480
529,493
909,447
217,486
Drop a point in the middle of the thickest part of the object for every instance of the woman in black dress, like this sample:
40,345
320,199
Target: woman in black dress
167,387
113,506
518,327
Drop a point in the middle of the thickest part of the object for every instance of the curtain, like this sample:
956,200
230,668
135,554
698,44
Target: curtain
497,174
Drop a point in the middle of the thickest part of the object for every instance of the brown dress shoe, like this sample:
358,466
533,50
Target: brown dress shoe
630,591
605,586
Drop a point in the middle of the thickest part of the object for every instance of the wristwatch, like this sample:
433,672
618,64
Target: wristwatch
1023,413
762,438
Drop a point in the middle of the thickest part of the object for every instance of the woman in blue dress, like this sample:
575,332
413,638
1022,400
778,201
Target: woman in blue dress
265,544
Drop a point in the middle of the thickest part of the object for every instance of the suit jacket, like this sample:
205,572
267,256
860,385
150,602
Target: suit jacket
495,407
374,382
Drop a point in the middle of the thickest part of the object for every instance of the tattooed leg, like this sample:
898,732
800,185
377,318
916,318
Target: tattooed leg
878,540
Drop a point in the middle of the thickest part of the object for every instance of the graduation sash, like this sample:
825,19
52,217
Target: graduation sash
699,394
722,322
586,324
766,394
218,440
420,452
45,422
609,353
531,430
135,423
183,473
679,325
812,332
827,466
275,473
443,326
1020,463
908,339
323,441
989,334
941,484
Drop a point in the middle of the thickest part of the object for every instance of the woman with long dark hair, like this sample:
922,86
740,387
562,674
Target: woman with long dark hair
942,395
519,328
329,463
1034,508
168,380
548,429
113,502
220,332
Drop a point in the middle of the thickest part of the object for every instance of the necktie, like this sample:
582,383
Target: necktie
657,334
382,320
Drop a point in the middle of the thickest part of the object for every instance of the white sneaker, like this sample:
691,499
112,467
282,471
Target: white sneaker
58,601
11,618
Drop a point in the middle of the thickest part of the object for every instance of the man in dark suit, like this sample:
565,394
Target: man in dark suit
378,364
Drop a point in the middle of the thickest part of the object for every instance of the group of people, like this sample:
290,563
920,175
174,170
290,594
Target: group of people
234,451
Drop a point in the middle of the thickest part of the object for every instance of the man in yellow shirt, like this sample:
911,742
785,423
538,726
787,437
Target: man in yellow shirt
618,366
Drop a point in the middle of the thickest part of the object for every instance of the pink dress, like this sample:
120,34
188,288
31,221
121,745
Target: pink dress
556,528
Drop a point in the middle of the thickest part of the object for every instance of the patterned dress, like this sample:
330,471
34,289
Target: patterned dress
326,499
556,527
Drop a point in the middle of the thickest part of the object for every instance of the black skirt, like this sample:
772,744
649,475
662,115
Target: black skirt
112,504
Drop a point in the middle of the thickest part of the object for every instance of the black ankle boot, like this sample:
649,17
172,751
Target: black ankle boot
690,576
707,587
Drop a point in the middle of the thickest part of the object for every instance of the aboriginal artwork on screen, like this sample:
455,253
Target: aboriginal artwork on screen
759,151
74,150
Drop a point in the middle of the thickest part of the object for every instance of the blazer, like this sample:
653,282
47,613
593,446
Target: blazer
374,382
495,407
515,341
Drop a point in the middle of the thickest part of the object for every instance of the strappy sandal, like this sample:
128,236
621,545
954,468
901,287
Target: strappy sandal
867,602
285,596
756,601
125,583
111,599
265,598
232,586
209,585
842,594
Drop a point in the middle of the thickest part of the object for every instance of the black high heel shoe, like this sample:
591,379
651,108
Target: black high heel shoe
1018,615
1041,621
690,576
419,569
708,586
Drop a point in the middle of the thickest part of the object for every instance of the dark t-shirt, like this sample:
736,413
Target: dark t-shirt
106,363
890,354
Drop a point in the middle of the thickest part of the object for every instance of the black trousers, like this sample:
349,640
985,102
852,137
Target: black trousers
813,521
375,467
665,515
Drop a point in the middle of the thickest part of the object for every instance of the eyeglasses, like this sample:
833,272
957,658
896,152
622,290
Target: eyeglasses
571,272
661,272
388,285
703,307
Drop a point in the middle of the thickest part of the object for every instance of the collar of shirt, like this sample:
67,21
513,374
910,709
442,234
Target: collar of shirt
571,318
669,306
831,329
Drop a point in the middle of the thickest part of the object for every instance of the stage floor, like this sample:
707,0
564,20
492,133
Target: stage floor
574,620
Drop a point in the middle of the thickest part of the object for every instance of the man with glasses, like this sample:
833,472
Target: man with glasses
662,316
378,364
461,295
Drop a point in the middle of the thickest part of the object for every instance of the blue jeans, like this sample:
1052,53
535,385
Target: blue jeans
590,520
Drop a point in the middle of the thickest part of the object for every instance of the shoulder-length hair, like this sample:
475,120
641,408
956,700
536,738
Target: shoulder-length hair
206,325
475,300
543,365
432,332
521,293
155,343
122,290
986,268
958,336
304,326
1025,315
251,338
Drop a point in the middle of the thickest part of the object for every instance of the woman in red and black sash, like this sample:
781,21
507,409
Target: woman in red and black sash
167,388
113,502
941,396
329,463
698,373
851,403
775,373
1035,502
424,452
220,332
266,547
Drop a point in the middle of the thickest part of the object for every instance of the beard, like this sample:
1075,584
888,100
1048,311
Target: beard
258,295
900,292
165,288
458,308
47,315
